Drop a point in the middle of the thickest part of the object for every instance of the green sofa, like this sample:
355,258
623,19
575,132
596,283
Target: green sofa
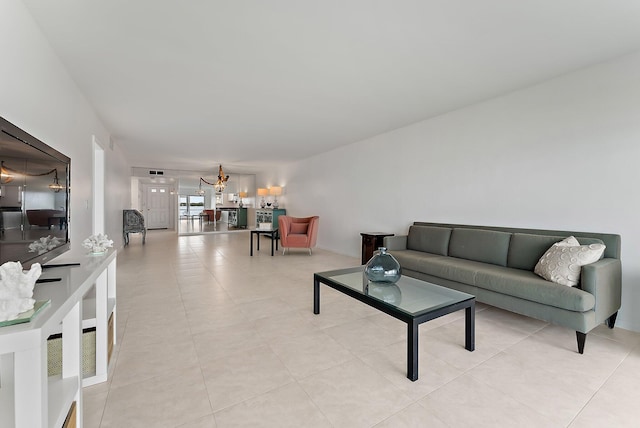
496,265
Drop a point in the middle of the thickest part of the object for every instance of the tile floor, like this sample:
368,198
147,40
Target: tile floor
210,337
196,226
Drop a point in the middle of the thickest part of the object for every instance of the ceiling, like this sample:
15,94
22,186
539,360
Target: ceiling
188,85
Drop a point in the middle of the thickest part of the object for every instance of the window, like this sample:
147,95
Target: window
191,205
183,205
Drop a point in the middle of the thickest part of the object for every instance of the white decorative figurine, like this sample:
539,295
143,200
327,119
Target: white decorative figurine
97,243
16,289
44,244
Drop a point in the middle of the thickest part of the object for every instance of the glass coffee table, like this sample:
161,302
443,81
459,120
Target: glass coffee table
410,300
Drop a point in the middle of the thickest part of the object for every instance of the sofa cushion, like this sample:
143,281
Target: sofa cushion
486,246
429,239
297,239
525,249
563,262
451,268
527,285
300,228
459,270
411,259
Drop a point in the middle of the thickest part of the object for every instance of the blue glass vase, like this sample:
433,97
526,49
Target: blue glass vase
383,267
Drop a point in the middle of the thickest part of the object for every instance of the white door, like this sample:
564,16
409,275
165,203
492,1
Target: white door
157,207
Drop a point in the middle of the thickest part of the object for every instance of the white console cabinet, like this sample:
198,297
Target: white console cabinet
28,397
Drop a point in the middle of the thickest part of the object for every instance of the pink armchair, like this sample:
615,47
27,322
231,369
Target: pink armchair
298,232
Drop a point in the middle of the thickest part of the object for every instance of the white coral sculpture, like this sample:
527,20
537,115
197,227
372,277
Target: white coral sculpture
44,244
16,289
97,243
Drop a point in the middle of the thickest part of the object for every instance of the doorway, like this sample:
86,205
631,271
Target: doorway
156,204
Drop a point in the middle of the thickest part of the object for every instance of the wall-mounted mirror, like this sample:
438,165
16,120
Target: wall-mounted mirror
34,198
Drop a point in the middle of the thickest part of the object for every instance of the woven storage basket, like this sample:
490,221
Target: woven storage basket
54,353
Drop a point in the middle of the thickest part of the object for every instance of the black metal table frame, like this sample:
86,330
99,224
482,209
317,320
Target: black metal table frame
272,233
412,321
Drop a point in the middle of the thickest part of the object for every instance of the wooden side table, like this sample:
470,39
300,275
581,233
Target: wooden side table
371,241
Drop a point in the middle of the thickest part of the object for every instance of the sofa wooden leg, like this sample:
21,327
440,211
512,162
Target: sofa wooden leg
582,337
611,321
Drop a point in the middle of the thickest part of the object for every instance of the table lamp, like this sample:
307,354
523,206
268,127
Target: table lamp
275,191
263,192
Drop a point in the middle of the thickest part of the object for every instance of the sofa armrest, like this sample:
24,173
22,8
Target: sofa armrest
603,279
392,243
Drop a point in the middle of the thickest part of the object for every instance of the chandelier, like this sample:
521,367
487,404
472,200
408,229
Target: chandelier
7,175
219,185
200,190
56,186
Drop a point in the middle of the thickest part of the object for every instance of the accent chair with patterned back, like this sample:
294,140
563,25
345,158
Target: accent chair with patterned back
298,232
133,222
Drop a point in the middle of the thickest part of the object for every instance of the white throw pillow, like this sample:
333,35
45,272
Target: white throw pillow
563,261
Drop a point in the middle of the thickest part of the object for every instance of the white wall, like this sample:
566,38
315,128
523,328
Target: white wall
560,155
117,191
37,95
